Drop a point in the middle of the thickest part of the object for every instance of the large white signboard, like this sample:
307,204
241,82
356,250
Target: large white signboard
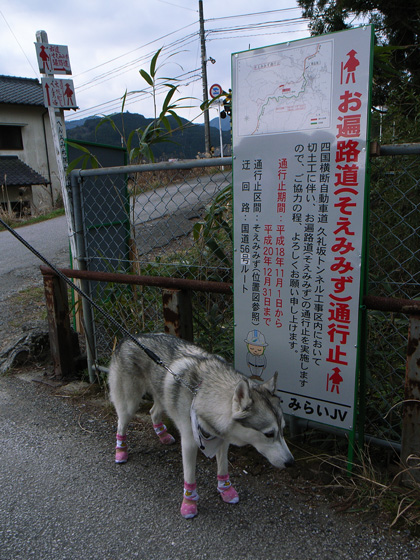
300,119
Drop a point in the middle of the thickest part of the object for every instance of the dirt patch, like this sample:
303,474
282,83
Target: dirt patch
21,313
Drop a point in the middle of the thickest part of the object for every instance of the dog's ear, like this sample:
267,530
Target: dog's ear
241,401
271,384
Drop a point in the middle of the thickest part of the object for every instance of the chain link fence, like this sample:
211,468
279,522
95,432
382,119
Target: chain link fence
170,220
176,220
394,271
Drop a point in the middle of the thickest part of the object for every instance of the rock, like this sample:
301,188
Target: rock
33,347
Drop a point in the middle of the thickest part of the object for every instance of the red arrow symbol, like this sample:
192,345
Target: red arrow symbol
47,87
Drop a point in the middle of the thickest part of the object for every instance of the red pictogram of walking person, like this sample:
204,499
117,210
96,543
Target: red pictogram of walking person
45,57
350,67
335,379
68,92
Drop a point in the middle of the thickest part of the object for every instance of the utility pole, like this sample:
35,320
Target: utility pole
204,79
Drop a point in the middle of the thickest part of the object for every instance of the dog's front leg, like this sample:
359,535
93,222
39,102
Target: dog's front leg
224,486
189,459
160,429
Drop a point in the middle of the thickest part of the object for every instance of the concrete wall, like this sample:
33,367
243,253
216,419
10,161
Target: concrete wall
38,149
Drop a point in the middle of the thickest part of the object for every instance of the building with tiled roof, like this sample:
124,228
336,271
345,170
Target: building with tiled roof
25,134
21,91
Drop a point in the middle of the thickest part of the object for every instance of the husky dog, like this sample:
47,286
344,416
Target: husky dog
211,404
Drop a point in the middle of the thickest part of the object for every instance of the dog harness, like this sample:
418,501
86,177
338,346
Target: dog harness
208,443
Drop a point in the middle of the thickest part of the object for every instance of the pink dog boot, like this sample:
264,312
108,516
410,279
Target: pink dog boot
121,453
189,502
226,490
163,434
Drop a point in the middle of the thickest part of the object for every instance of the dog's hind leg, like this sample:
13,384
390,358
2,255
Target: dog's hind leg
125,395
159,427
224,487
125,412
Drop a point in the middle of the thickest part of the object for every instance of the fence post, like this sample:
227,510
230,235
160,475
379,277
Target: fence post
410,448
177,313
88,321
61,340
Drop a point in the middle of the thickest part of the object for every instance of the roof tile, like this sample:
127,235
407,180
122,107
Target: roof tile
13,172
21,91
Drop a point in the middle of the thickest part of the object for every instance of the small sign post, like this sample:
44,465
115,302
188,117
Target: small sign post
215,91
58,95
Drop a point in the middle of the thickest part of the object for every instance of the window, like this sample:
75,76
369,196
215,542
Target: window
11,137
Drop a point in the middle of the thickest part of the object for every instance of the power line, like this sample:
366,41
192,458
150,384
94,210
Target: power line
182,42
134,50
217,33
169,50
254,14
17,41
177,5
149,56
184,80
242,36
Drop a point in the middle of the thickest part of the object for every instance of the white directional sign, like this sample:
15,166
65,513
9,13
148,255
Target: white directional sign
59,93
53,59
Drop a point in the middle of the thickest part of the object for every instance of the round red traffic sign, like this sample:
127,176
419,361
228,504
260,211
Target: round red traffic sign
215,90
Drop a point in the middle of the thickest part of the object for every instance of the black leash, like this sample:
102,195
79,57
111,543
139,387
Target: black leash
109,317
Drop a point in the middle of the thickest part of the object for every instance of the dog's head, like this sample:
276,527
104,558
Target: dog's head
258,421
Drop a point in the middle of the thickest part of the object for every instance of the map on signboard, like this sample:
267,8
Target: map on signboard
285,91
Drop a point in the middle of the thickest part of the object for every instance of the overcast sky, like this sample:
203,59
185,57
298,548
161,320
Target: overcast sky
110,41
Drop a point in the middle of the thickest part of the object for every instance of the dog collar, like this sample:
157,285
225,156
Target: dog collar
208,443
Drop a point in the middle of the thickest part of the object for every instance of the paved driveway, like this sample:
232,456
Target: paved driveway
19,268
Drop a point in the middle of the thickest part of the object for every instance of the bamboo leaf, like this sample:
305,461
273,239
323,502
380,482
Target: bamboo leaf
176,117
146,77
124,97
166,124
167,99
154,62
130,139
79,147
74,164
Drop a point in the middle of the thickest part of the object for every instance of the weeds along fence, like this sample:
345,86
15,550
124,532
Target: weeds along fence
175,220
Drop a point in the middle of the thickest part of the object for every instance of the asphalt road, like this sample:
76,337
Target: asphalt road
160,215
64,498
192,194
19,268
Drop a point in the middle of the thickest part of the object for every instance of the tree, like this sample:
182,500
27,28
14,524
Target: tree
397,31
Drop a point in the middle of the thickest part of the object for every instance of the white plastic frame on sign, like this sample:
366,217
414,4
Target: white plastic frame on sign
300,122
